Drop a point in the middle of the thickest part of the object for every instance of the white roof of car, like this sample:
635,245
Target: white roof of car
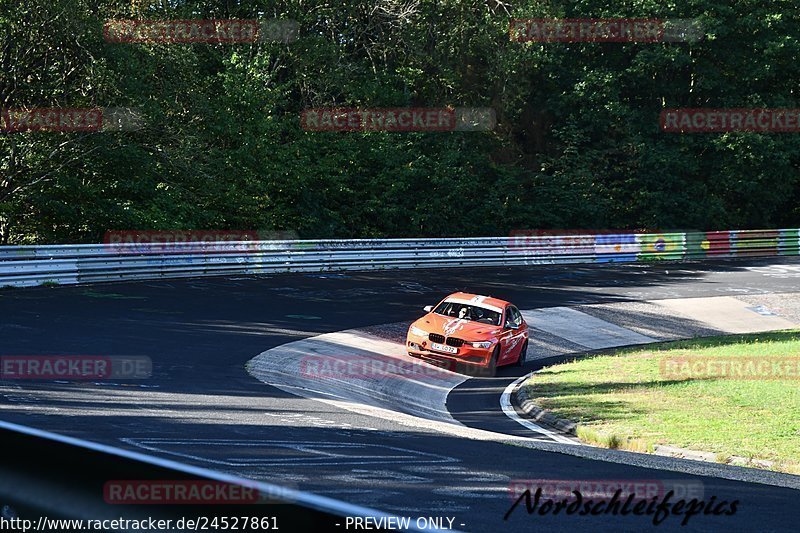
477,302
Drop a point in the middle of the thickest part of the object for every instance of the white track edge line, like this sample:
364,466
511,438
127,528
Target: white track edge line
510,412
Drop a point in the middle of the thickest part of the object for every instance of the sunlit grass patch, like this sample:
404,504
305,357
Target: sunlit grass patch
624,400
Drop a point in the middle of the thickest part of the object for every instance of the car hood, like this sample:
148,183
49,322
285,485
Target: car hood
455,327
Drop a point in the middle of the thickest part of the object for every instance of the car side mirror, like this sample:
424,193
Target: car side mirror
428,308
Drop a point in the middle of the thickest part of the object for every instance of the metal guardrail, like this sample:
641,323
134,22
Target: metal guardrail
86,263
45,477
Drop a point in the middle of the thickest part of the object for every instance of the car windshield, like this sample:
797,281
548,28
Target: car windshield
469,312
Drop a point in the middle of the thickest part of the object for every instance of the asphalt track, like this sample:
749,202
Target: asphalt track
202,407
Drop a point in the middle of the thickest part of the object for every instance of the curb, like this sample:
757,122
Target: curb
542,416
567,427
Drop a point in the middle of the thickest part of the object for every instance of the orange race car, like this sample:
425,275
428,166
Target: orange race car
474,330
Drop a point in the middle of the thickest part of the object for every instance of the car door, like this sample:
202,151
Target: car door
513,336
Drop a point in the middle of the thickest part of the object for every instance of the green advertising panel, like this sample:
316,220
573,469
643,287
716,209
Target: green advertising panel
789,242
661,246
696,244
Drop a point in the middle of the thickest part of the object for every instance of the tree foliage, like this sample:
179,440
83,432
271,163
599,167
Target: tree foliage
577,142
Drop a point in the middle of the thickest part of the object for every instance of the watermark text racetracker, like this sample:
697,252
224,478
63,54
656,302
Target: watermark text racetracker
74,367
706,120
65,120
737,368
201,31
606,30
657,500
400,119
355,367
190,492
189,241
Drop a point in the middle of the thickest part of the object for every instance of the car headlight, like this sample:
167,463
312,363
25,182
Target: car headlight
418,332
483,344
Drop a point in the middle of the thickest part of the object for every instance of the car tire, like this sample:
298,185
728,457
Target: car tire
491,370
522,354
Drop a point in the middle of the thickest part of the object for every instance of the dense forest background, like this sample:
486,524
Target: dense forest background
577,143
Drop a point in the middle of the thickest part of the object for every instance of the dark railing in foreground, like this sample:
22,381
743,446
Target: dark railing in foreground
56,477
87,263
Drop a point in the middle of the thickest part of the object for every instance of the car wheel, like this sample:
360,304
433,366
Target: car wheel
522,354
491,370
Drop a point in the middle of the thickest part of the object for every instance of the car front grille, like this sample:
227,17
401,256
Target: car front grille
450,341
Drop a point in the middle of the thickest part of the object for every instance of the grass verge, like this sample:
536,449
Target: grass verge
626,400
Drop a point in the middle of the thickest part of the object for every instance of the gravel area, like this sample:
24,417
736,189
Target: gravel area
785,304
542,345
394,332
651,319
